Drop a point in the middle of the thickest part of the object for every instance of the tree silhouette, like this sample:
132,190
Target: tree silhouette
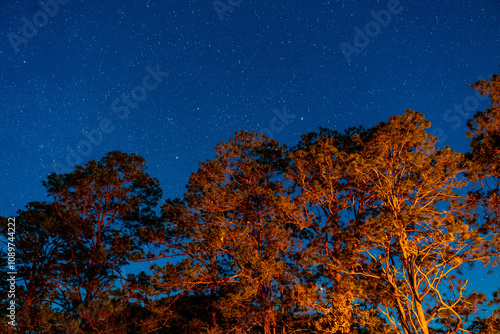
73,248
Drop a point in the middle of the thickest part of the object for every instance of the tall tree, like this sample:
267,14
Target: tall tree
235,227
484,160
416,238
37,256
318,170
98,211
484,172
403,219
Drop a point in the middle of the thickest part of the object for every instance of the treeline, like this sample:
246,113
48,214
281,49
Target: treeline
366,231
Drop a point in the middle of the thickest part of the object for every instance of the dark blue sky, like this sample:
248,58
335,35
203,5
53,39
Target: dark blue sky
271,66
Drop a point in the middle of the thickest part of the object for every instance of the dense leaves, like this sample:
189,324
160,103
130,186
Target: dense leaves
366,231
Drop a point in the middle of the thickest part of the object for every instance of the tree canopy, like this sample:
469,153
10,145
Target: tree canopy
365,231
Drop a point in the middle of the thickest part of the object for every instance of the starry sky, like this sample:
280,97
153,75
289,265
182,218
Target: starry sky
168,80
73,77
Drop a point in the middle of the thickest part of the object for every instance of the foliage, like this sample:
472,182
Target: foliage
366,231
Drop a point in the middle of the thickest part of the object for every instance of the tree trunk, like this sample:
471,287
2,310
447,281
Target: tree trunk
267,322
421,317
267,325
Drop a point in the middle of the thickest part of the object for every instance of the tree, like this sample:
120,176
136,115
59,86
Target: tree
484,172
37,254
404,221
362,232
235,228
318,170
484,160
98,210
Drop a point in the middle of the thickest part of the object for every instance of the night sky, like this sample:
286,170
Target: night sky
93,78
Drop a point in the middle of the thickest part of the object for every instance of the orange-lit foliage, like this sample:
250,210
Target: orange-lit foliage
362,232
